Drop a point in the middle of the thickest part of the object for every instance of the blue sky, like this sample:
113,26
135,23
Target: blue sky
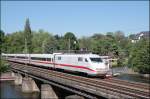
84,18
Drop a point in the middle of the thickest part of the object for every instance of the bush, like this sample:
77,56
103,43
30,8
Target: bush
4,66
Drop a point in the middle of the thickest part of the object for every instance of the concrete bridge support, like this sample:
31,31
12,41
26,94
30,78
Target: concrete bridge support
12,74
74,97
18,78
29,85
47,92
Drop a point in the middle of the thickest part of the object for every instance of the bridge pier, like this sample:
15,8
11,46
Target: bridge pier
74,97
29,85
12,74
47,92
18,78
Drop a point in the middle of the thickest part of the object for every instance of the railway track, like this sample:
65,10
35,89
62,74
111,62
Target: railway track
113,85
128,83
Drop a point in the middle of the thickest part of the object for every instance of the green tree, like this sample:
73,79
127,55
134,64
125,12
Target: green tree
2,39
3,66
58,41
14,42
139,56
28,36
110,35
43,42
70,41
85,43
132,36
51,44
119,35
104,44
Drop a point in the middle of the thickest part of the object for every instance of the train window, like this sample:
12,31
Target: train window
96,59
11,56
86,60
43,59
80,59
21,57
37,58
59,58
48,59
34,58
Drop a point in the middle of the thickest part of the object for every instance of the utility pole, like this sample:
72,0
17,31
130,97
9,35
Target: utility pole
111,65
26,50
75,45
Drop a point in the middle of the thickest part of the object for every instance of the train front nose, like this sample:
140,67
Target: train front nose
102,69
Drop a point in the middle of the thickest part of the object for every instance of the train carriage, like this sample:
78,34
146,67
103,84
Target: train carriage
91,64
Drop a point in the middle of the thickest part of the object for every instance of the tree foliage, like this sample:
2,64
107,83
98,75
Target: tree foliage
14,43
70,41
139,56
85,43
28,36
1,40
3,66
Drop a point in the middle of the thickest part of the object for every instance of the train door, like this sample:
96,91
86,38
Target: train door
54,60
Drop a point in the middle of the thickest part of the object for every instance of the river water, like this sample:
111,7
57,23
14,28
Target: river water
134,78
9,90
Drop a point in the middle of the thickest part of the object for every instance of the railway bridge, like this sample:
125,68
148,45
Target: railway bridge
83,86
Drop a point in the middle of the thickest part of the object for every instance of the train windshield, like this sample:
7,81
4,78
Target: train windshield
96,60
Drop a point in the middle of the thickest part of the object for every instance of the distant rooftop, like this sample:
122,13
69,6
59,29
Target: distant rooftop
143,34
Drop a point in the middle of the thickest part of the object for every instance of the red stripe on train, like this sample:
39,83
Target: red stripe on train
67,65
75,66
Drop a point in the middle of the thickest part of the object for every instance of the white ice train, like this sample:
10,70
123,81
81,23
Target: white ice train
90,64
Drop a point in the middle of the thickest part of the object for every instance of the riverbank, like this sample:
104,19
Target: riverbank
133,78
126,70
7,76
145,75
